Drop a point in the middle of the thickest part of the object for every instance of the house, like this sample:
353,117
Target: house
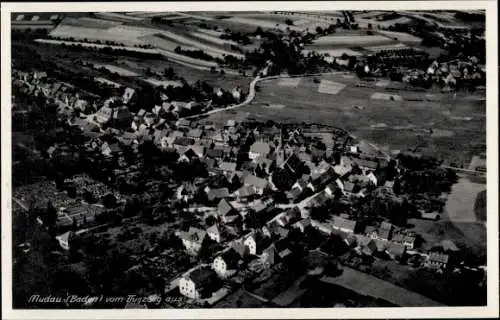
226,211
260,185
213,233
199,283
430,216
350,188
128,95
51,151
288,217
449,245
182,142
227,167
259,149
183,123
214,194
300,185
226,264
396,250
406,240
256,242
195,134
384,232
372,178
245,192
65,239
365,164
351,241
437,260
193,239
333,187
270,256
322,180
344,225
369,248
199,150
302,224
216,153
188,156
110,149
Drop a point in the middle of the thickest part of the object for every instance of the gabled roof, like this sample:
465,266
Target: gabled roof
439,257
396,249
339,222
231,257
255,181
246,191
213,229
224,207
182,141
202,277
218,193
215,153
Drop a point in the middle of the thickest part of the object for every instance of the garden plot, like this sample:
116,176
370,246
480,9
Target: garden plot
289,82
115,69
330,87
352,41
386,96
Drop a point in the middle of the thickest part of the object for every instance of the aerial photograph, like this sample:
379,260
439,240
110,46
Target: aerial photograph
238,159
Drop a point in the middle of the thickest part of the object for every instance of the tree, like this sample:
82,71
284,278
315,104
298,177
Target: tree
289,22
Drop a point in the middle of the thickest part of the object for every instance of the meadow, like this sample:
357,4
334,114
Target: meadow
391,124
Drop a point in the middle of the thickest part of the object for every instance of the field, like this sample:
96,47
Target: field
460,204
386,96
289,82
121,71
407,123
401,36
369,285
352,41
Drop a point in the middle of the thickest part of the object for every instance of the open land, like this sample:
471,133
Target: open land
408,122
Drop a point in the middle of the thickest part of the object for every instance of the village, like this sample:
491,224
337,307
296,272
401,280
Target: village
236,204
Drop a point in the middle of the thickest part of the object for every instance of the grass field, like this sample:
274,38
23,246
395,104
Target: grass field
351,41
408,123
460,204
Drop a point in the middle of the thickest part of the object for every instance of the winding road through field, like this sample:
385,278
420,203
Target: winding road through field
251,91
